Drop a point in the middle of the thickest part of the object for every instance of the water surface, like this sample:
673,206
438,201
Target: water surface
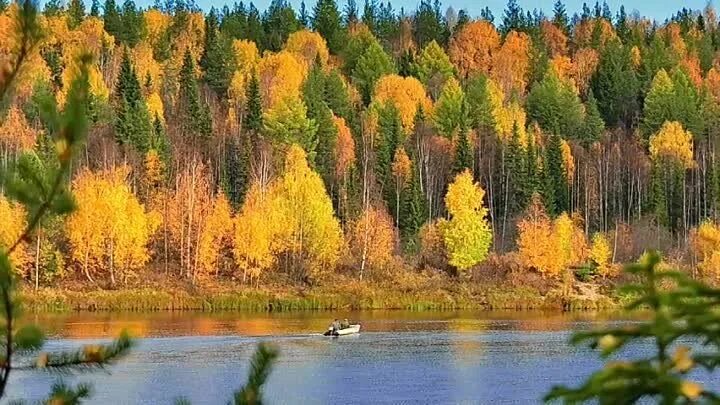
400,357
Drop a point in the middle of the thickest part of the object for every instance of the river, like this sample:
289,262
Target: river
400,357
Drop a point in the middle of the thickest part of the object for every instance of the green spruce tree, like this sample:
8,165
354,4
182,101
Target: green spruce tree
76,13
253,119
194,112
556,184
327,21
463,153
132,120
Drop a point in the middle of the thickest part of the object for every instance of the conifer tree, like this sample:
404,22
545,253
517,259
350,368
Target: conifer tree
160,141
76,13
304,17
112,20
328,23
428,24
518,182
279,22
594,125
371,66
95,8
413,212
615,84
463,153
253,120
236,170
556,193
194,113
132,24
53,8
531,168
560,17
217,59
132,123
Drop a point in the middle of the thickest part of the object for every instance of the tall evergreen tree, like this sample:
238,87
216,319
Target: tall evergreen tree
304,17
95,8
428,24
413,213
132,123
351,13
556,183
616,86
554,104
3,5
279,22
463,153
319,111
53,8
132,24
217,60
518,182
513,17
236,170
390,132
328,23
594,125
371,66
560,17
370,12
194,113
76,13
254,29
253,119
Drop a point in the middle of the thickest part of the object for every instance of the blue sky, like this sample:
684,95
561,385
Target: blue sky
655,9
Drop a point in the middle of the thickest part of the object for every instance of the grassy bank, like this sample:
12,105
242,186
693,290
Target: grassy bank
354,297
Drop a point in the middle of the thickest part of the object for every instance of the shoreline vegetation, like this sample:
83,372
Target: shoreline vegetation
352,296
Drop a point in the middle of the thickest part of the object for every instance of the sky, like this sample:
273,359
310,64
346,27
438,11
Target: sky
654,9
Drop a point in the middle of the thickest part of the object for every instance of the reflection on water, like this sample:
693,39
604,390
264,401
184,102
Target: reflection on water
407,357
164,324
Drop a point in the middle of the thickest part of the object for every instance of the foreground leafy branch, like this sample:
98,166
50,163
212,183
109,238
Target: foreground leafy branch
43,192
688,310
260,368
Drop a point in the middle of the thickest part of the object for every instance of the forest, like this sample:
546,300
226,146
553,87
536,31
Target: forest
306,147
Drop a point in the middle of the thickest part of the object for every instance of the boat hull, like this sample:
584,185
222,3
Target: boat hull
353,329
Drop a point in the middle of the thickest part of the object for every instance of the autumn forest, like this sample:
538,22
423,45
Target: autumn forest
367,145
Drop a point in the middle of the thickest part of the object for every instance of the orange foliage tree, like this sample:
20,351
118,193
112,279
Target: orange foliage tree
281,75
12,218
594,32
401,170
407,93
511,62
585,62
372,240
309,45
555,39
472,48
706,245
344,161
549,247
15,133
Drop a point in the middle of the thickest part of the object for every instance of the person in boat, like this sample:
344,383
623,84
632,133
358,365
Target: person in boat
345,324
335,326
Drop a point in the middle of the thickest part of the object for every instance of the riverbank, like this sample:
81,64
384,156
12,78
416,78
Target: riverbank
349,296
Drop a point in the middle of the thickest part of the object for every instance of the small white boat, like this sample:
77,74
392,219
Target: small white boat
352,329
